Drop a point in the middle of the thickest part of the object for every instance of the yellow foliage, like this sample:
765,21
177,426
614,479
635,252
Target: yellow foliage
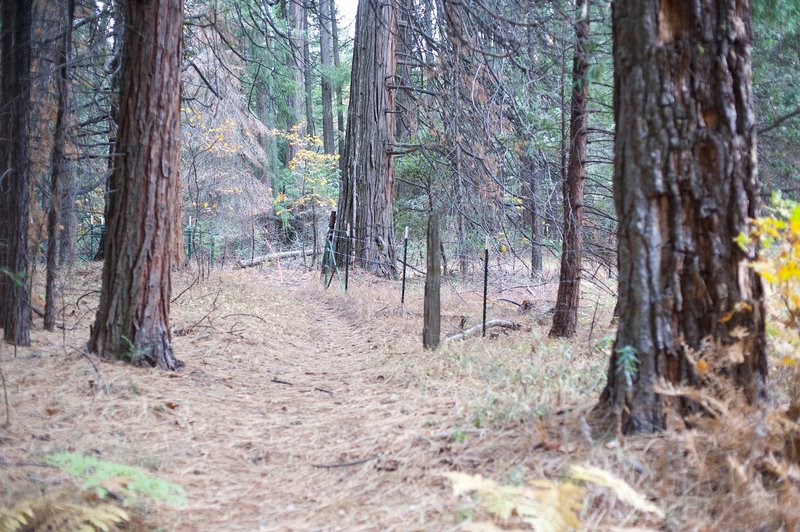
779,267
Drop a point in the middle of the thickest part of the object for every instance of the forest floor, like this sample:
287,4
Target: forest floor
304,408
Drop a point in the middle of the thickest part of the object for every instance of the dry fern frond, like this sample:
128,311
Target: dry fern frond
46,514
546,506
621,489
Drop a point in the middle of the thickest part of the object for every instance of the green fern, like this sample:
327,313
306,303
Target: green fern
627,363
125,481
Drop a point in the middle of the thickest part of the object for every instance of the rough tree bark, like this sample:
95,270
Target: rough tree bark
133,317
15,175
685,185
366,195
565,318
326,60
56,168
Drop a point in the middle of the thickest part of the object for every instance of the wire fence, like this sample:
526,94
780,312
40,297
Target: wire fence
599,265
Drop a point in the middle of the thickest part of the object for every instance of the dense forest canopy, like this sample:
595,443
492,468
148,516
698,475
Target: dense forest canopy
606,192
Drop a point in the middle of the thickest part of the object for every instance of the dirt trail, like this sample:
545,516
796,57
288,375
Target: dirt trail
291,413
329,448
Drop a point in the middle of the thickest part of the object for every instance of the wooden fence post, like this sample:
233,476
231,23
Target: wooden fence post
432,310
405,260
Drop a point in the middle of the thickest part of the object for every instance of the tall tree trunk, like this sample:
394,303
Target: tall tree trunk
133,317
308,80
403,78
532,192
69,217
527,161
366,195
294,19
56,167
266,141
338,87
326,59
685,185
15,171
565,318
115,72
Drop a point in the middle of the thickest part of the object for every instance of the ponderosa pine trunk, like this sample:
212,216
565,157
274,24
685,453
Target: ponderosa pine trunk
685,185
133,318
565,318
15,169
366,195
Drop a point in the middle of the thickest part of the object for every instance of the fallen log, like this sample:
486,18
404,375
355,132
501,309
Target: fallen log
505,324
255,261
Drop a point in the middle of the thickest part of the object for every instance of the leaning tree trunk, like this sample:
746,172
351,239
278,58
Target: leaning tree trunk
133,318
15,174
565,318
684,185
367,187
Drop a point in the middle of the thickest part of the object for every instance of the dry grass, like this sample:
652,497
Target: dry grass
304,408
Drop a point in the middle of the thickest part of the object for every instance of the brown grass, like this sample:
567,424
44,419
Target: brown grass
304,408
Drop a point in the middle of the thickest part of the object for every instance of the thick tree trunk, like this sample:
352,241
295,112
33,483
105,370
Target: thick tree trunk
15,174
56,169
367,189
684,185
133,318
565,318
326,59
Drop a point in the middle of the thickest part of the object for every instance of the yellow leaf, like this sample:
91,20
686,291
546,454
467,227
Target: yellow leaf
702,367
728,317
621,489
